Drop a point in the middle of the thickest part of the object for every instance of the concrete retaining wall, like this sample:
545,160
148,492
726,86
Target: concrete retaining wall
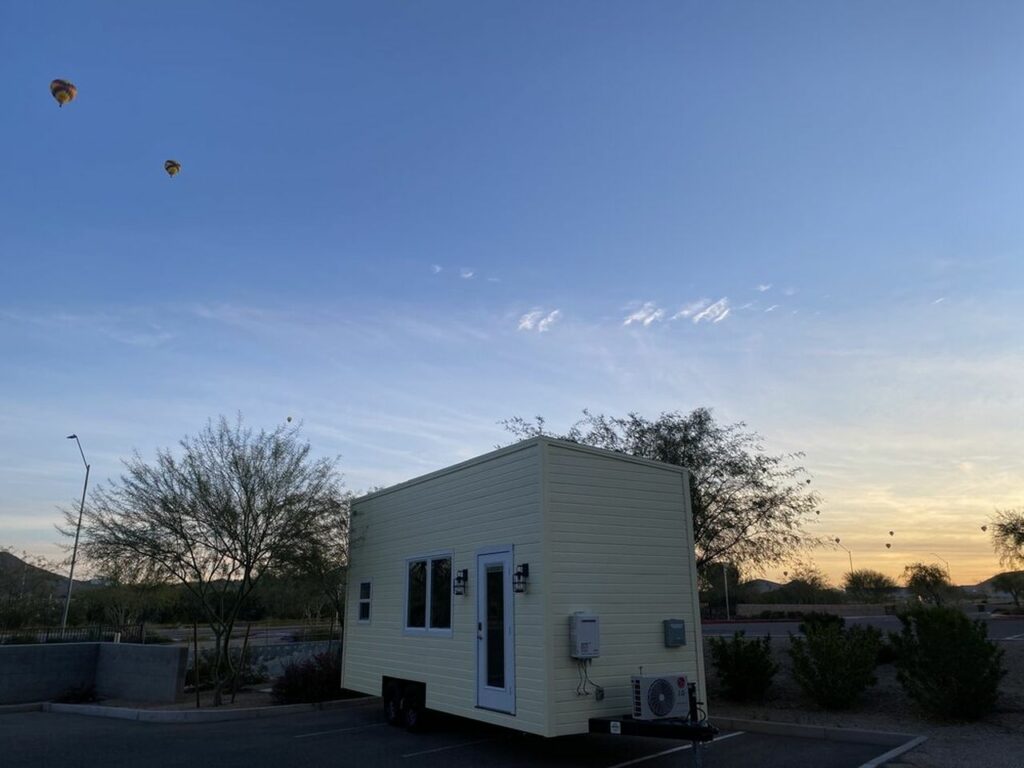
124,671
40,672
140,672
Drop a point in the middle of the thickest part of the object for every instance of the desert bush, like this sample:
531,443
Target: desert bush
947,664
315,679
744,666
819,618
833,665
250,674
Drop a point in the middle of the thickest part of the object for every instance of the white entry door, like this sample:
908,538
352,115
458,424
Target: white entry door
495,638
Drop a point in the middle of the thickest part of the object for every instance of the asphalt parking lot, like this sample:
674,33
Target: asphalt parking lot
358,738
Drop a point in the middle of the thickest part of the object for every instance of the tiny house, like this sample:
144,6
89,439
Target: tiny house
523,588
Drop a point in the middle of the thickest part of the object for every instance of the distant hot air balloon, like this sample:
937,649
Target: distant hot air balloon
984,528
289,419
888,545
63,91
172,167
891,533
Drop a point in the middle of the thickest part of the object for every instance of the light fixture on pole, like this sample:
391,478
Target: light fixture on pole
78,530
848,552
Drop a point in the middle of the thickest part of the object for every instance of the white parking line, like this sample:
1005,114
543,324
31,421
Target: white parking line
1012,637
442,749
671,751
340,730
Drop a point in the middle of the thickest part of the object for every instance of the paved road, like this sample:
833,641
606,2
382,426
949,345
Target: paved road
357,738
1008,629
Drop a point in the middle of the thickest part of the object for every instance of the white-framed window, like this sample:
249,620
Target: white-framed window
365,599
428,594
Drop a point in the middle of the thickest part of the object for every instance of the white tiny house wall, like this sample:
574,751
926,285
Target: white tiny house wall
603,533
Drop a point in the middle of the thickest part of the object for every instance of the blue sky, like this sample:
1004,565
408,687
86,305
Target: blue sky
403,222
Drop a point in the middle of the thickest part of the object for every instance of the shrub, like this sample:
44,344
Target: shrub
250,674
947,664
818,618
834,665
745,667
315,679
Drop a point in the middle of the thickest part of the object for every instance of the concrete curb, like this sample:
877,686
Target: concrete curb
32,706
200,715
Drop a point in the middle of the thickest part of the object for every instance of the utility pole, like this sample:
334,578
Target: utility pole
78,530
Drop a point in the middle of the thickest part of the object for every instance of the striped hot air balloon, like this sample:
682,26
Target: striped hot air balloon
63,91
172,167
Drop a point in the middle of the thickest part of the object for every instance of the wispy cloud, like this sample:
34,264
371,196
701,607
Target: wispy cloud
538,320
129,328
791,291
466,274
646,315
436,269
772,308
713,313
764,287
691,309
939,300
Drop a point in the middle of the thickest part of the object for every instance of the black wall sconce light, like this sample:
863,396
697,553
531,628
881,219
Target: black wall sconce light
461,580
521,578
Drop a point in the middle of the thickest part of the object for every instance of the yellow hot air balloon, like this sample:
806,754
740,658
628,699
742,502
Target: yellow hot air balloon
172,167
63,91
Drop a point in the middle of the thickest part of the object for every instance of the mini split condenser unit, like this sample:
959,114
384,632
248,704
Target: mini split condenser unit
662,696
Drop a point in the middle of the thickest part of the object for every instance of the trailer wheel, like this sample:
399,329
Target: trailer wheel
393,704
413,715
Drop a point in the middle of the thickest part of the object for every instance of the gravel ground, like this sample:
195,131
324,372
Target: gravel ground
994,742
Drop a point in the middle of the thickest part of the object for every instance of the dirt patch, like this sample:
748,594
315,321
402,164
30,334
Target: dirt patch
997,741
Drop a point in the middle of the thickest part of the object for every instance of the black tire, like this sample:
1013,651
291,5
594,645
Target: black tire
393,705
413,713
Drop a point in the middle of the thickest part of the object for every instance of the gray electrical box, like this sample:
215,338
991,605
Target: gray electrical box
675,633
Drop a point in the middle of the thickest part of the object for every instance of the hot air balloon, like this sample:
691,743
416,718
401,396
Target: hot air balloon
289,419
891,533
63,91
888,545
172,167
984,528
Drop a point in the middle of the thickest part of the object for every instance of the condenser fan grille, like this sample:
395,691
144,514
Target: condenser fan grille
661,698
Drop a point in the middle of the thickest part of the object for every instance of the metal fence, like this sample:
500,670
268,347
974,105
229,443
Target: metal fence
97,633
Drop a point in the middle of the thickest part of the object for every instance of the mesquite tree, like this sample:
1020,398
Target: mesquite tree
749,507
230,507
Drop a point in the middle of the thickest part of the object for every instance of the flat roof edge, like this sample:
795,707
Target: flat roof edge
514,448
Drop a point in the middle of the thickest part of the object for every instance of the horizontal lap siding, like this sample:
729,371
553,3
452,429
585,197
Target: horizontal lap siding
618,548
490,503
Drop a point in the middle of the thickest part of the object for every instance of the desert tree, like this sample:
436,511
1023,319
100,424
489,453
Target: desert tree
929,583
867,586
1008,536
1011,582
749,507
230,506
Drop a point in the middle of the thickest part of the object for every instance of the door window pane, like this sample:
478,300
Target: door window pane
417,595
441,593
496,626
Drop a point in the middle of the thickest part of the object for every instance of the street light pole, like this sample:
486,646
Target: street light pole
78,530
725,583
848,552
944,560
